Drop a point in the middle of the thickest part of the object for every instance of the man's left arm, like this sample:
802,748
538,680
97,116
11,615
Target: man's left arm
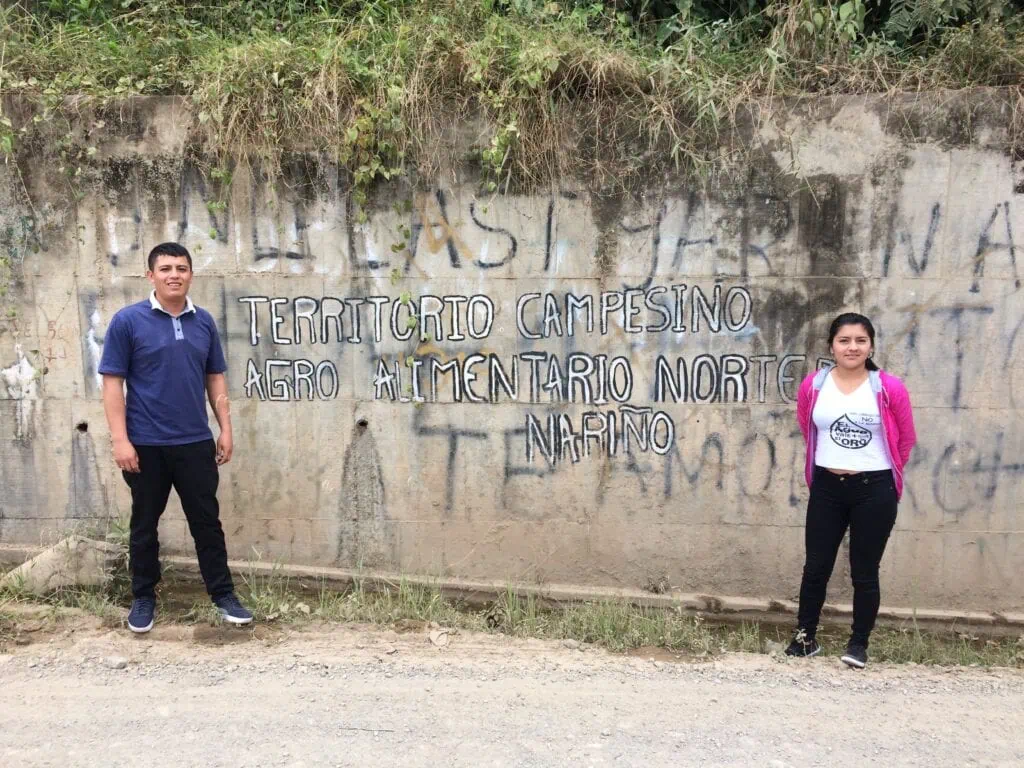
217,392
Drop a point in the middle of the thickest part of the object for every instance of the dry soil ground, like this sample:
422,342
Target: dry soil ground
81,694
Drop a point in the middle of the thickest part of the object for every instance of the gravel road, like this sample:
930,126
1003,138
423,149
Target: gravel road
354,696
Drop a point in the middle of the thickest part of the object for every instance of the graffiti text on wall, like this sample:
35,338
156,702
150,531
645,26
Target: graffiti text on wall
530,376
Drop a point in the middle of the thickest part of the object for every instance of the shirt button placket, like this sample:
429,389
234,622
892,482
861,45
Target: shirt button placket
178,335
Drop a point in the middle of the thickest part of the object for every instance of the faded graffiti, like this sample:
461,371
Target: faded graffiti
21,382
662,344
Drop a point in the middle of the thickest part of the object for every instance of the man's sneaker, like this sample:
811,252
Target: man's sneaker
803,645
140,617
231,610
856,656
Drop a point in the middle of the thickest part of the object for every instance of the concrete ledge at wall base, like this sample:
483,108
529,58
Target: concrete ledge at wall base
16,554
722,608
72,562
713,607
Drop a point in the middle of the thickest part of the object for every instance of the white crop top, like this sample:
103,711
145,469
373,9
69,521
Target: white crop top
849,429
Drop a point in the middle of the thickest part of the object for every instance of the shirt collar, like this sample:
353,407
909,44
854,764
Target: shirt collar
154,304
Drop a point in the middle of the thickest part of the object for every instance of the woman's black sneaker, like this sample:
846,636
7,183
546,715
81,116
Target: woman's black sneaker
803,645
856,656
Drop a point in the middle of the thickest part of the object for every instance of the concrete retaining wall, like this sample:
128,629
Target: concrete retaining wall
619,407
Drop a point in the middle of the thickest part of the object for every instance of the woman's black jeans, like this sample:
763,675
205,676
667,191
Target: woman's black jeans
866,503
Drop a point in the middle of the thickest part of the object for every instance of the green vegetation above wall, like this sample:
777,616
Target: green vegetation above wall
610,91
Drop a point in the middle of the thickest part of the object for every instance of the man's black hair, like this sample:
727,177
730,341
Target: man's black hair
169,249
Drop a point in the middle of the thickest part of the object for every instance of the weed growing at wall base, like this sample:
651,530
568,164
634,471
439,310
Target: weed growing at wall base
8,630
276,598
615,625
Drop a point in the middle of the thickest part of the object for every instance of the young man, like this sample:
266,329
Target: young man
168,353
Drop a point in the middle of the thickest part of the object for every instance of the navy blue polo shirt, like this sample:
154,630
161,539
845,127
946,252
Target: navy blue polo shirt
165,361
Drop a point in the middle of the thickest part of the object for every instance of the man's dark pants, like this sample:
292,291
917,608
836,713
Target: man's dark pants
192,471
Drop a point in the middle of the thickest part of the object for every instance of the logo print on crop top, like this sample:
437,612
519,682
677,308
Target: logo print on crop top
846,434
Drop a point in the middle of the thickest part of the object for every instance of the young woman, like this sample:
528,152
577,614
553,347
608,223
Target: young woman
859,430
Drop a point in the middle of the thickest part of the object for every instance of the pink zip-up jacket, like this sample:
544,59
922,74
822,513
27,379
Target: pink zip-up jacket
893,405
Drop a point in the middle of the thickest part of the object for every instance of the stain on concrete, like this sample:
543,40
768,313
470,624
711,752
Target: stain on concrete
821,224
364,538
22,495
87,496
608,212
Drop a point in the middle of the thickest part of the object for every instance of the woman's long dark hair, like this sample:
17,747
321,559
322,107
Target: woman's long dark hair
852,318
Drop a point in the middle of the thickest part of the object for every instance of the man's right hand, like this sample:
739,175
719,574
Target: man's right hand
125,456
